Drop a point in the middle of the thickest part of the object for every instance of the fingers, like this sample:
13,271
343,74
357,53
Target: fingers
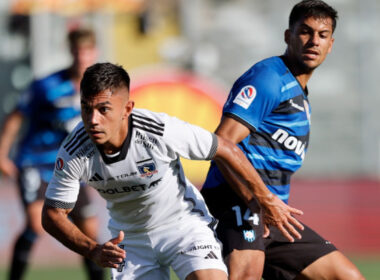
117,239
110,254
295,211
286,223
285,233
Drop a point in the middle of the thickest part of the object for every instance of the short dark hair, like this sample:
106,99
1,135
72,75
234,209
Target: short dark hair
80,36
102,76
312,8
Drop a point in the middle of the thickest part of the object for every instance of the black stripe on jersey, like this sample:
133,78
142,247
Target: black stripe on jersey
275,177
72,149
144,160
148,125
59,204
213,224
265,140
148,130
147,119
243,122
96,177
293,105
77,135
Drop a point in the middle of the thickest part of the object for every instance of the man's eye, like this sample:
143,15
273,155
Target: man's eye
104,110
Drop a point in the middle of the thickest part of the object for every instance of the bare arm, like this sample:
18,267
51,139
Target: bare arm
9,132
246,182
55,221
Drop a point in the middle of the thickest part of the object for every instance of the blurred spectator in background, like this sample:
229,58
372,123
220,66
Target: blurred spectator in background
49,109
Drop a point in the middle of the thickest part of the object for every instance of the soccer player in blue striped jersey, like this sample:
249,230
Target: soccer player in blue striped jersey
267,114
48,110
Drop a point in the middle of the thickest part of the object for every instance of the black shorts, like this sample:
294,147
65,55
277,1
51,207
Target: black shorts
283,259
32,188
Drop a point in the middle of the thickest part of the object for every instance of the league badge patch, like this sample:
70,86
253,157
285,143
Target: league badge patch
59,164
249,235
147,169
245,97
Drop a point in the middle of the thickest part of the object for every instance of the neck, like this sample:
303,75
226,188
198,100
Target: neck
299,71
116,143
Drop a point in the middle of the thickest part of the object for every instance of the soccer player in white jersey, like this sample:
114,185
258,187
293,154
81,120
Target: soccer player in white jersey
131,157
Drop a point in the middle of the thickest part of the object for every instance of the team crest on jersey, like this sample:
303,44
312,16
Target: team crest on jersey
249,235
147,169
59,164
245,97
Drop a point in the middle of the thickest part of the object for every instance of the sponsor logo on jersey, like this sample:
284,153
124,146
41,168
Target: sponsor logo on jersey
200,247
211,255
59,164
249,235
290,142
86,151
245,97
127,189
147,169
122,176
146,141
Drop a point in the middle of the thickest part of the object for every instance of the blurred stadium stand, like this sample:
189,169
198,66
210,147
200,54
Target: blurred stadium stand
338,186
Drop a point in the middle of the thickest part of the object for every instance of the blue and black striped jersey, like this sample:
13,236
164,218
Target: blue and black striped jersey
272,104
51,107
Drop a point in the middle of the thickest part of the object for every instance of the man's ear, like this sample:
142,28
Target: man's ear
287,36
129,107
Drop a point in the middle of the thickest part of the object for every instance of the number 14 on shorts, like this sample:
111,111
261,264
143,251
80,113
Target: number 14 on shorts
253,220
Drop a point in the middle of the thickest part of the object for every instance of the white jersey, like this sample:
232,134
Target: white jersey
144,185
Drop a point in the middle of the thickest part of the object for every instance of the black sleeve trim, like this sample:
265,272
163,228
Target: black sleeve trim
59,204
243,122
214,146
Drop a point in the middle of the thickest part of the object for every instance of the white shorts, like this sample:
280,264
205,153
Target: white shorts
186,247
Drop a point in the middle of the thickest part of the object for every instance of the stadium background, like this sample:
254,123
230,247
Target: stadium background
183,57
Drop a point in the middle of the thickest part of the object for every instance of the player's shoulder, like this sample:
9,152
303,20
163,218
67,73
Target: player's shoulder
267,69
266,76
149,121
77,143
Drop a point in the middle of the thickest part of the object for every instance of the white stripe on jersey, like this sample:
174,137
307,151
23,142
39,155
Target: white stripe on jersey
144,186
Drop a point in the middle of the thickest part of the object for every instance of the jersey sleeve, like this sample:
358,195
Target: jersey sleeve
253,96
63,188
188,140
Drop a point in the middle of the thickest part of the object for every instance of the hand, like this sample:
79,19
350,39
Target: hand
109,254
279,214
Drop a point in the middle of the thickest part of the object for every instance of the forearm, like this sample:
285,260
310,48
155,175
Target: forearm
9,132
57,224
240,174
